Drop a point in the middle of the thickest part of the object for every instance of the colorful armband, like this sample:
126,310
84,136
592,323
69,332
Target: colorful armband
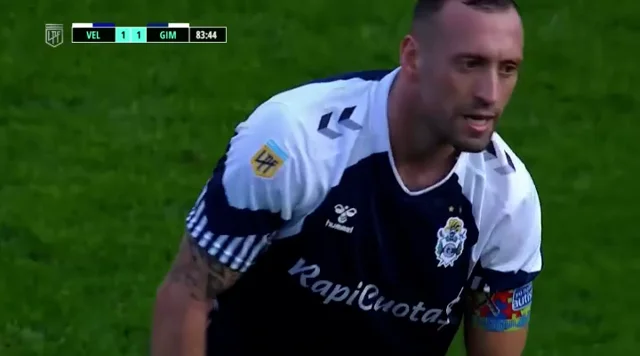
504,310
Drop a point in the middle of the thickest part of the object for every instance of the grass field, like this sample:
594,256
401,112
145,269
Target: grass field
103,148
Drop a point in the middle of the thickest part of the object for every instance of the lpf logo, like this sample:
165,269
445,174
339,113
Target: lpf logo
53,35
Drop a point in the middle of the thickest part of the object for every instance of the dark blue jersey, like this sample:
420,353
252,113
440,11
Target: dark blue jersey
335,251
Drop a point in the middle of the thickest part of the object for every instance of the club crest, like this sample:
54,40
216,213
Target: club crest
450,243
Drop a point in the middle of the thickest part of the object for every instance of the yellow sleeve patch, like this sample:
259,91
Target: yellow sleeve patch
268,160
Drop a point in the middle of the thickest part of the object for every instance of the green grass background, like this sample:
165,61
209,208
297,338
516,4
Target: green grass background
103,148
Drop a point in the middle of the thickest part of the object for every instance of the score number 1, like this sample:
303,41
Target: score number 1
131,34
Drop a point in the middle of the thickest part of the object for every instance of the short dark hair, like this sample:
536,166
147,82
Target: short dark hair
426,8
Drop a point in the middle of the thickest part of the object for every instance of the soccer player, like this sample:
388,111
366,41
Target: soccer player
372,212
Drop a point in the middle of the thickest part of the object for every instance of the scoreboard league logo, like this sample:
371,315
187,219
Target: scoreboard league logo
53,35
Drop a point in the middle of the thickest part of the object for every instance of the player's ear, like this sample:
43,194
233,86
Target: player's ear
409,55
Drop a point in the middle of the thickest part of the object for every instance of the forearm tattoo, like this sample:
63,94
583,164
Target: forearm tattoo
203,274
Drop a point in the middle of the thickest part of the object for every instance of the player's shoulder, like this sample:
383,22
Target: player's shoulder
502,176
319,128
323,117
336,89
342,98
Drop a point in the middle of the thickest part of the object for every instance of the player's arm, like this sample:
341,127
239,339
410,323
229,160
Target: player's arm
499,304
251,195
184,299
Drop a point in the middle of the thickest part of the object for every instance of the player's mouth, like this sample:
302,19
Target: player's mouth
479,123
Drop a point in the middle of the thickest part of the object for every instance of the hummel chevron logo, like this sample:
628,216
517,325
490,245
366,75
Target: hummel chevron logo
505,168
343,120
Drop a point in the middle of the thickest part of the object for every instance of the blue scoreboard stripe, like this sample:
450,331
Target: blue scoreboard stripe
158,24
104,24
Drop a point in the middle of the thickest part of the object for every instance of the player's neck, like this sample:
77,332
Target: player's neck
421,159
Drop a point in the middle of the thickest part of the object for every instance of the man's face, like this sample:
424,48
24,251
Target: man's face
466,70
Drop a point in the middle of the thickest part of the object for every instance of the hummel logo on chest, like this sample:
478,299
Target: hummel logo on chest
344,212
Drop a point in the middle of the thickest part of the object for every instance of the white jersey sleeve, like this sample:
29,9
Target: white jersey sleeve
254,190
513,256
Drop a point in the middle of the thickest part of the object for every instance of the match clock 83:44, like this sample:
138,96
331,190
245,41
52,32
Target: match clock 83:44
208,34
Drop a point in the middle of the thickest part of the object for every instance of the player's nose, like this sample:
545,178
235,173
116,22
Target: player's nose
487,89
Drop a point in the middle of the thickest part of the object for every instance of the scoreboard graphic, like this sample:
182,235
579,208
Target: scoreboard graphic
105,32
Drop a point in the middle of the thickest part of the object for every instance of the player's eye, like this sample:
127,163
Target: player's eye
470,63
508,69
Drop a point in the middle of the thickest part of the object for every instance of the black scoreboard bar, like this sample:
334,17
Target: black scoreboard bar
167,34
93,33
152,33
212,34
